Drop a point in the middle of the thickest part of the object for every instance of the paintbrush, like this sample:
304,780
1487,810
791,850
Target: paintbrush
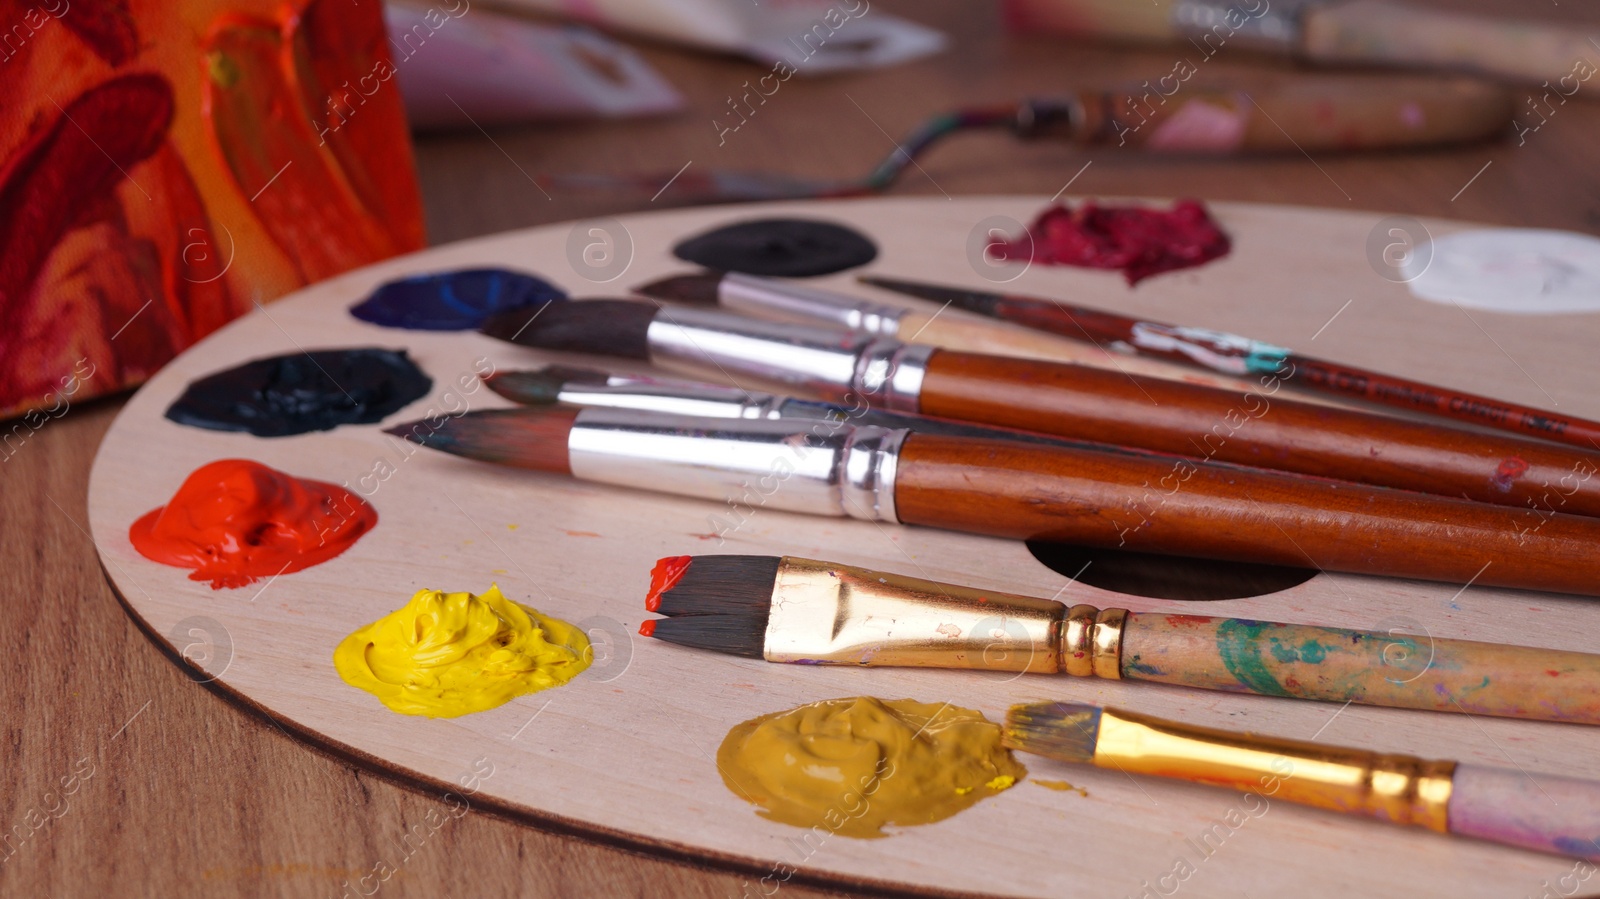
1233,354
590,388
782,300
1325,114
1079,402
1006,489
1500,805
1333,32
823,613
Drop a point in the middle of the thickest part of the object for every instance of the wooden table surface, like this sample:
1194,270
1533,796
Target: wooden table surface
179,793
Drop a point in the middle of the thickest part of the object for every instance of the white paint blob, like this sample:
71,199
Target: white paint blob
1518,270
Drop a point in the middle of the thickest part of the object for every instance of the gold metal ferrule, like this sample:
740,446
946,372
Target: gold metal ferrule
825,613
1401,789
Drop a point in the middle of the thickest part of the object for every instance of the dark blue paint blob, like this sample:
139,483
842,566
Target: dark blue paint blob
453,301
301,392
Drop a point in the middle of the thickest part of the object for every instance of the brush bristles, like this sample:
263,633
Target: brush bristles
722,585
1067,731
525,438
541,386
695,290
720,603
732,635
604,327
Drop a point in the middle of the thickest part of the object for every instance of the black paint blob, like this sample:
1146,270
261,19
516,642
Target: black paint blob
782,248
300,392
1166,577
453,301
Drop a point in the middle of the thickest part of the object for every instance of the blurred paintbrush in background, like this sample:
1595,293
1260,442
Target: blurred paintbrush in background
1301,115
1334,32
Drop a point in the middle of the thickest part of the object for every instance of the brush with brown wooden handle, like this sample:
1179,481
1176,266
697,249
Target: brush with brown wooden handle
783,300
1221,351
1336,32
1258,429
1021,491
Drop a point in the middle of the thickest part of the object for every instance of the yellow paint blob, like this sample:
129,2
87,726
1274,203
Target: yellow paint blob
448,654
1061,786
851,766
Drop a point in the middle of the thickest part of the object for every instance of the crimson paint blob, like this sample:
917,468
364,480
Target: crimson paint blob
1139,241
235,521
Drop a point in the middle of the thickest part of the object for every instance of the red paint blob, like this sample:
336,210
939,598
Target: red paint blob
1509,469
648,628
235,521
1139,241
664,577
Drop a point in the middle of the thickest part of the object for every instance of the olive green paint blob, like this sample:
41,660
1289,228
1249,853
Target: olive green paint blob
1061,786
852,766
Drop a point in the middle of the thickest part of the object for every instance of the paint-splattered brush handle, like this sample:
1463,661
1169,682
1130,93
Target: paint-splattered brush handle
1542,812
1413,35
1400,670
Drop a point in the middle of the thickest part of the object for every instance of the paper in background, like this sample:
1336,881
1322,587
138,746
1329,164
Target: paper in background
460,66
814,37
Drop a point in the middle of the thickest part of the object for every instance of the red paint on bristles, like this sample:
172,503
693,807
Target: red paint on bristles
648,628
664,577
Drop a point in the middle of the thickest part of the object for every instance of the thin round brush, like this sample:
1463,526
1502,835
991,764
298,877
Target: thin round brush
1218,351
786,301
1079,402
1330,32
1500,805
784,609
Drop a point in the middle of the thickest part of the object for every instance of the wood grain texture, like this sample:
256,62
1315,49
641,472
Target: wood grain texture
194,797
1336,665
1263,427
622,754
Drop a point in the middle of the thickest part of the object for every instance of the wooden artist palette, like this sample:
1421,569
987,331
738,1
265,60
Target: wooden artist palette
624,754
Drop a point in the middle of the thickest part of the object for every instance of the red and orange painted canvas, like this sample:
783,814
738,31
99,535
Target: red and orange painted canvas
167,164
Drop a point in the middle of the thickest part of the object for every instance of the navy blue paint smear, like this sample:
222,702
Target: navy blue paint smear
780,248
301,392
453,301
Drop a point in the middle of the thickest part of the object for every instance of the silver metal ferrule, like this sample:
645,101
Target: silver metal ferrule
773,298
671,397
1262,26
833,363
815,467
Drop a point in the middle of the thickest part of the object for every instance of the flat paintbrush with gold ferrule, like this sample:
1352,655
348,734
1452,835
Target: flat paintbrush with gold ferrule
821,613
1501,805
